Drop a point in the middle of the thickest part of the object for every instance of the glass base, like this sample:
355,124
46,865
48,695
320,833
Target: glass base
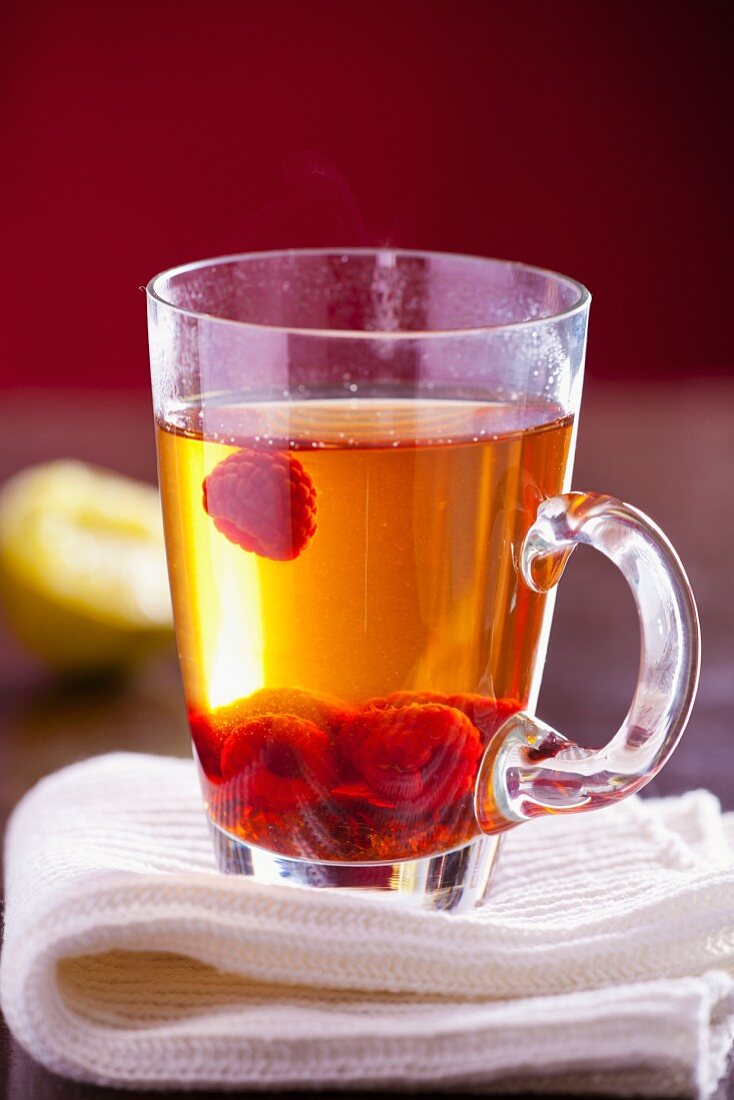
452,881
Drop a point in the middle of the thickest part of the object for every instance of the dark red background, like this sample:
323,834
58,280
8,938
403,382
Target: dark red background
588,137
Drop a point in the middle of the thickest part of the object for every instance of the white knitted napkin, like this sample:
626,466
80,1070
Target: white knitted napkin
603,961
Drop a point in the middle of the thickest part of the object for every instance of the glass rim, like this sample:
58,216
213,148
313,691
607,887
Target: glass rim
582,301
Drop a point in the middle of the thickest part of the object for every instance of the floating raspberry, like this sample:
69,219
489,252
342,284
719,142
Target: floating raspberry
264,502
280,762
419,757
486,713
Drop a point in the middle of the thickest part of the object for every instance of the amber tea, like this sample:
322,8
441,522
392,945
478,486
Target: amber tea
351,620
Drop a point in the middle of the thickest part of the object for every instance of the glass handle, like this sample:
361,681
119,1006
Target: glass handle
529,769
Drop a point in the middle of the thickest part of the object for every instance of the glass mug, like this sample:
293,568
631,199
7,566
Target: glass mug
364,460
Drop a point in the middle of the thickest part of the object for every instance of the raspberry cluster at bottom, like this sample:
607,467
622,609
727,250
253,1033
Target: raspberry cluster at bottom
308,776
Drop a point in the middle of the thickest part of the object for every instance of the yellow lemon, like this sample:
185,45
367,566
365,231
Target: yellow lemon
83,567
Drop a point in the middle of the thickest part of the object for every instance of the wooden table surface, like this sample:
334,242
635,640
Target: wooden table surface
669,449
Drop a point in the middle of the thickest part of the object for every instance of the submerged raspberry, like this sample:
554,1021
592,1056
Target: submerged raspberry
323,710
208,741
209,731
264,502
307,776
280,762
485,712
421,755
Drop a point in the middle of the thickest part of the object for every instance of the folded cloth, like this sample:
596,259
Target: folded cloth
603,961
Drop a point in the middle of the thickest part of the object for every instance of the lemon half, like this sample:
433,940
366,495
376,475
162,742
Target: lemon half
82,566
